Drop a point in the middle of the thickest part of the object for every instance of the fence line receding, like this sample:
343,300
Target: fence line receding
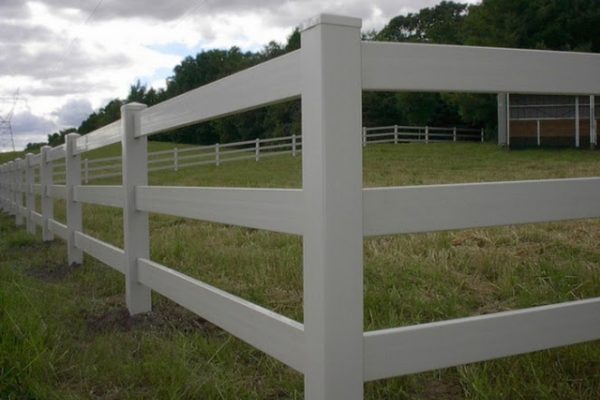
332,212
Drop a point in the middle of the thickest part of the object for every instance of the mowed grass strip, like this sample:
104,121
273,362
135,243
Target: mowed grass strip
65,333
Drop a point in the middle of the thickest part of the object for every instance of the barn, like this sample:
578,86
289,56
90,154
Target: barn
526,120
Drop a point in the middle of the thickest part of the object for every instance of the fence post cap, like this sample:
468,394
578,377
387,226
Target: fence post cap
331,19
133,106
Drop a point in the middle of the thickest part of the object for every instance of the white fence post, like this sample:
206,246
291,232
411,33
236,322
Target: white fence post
482,135
577,133
2,187
294,145
426,135
257,149
86,170
29,196
10,173
395,134
538,133
217,155
74,217
136,229
46,180
454,134
332,184
175,159
364,136
593,133
18,179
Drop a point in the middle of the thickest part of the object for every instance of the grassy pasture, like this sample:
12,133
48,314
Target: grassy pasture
64,333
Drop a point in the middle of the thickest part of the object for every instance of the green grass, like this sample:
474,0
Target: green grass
63,333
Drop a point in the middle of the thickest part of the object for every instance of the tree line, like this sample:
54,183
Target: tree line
568,25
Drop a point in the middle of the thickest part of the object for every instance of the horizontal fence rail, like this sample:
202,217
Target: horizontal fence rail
332,211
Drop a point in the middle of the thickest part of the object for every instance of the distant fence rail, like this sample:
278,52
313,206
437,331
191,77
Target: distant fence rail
257,149
332,211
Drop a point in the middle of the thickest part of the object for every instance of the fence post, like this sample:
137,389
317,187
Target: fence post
136,229
332,184
217,155
364,136
46,180
18,191
86,169
257,149
74,217
395,134
3,188
175,159
454,134
10,174
482,134
577,133
592,127
294,145
538,133
29,196
426,135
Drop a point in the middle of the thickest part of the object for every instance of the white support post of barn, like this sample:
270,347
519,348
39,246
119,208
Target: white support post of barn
577,121
46,180
332,185
593,133
74,216
29,196
538,132
18,179
136,229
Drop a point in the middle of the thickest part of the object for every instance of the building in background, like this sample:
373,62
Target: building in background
545,120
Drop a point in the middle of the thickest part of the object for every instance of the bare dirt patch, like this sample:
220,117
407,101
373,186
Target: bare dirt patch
165,317
52,273
442,390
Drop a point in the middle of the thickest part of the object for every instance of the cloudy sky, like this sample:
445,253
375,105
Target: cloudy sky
69,57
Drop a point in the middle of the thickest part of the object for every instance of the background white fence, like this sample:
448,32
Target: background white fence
331,211
256,149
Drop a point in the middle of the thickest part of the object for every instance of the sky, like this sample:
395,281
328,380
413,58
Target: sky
67,58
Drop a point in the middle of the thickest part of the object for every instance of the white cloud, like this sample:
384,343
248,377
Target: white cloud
60,53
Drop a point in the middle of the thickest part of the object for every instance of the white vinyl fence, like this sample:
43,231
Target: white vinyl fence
332,211
257,149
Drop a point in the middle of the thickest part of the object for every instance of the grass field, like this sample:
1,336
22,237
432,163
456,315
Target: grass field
65,334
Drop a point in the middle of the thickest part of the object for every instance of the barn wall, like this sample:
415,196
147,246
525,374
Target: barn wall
553,132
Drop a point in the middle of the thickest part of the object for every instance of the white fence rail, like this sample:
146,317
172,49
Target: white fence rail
332,211
257,149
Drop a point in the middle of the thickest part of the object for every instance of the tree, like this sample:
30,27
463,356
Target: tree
440,24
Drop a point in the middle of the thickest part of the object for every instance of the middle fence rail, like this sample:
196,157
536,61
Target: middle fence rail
332,211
